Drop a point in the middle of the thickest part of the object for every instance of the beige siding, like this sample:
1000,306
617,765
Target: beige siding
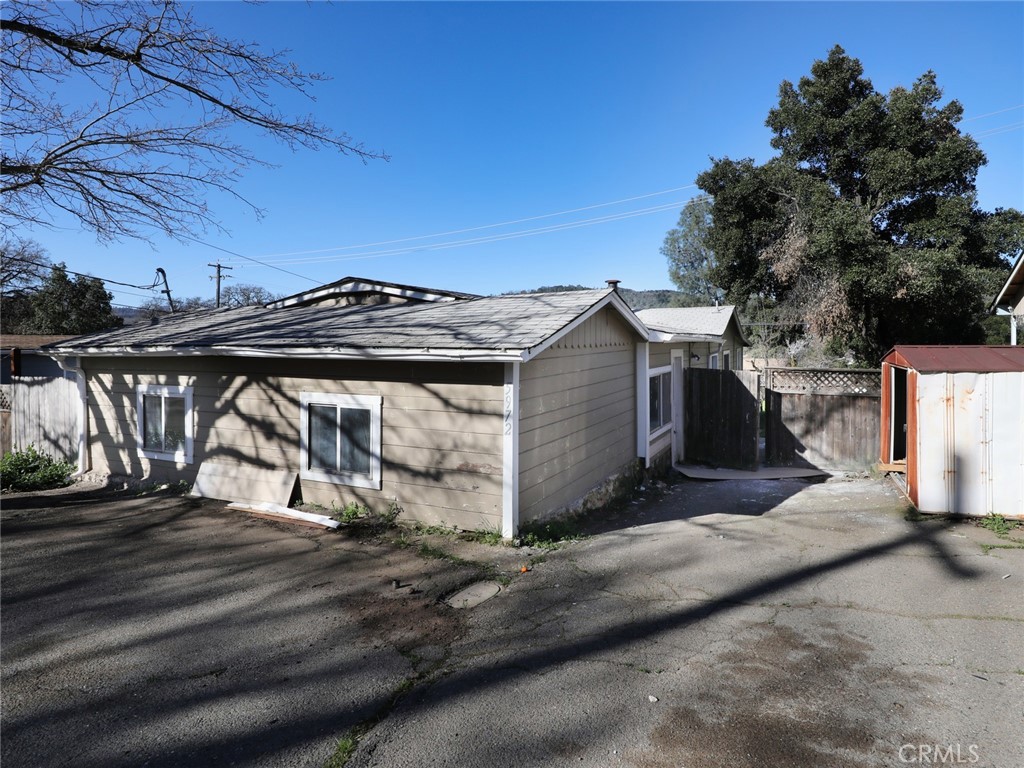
577,422
441,445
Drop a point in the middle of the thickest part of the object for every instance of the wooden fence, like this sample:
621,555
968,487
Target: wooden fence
44,413
822,418
721,418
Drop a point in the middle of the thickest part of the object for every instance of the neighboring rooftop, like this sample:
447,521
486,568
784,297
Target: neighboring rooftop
957,359
692,321
1013,288
360,286
29,341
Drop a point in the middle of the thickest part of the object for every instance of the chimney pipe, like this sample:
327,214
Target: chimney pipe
613,284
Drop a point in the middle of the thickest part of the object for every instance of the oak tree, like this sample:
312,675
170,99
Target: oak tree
866,220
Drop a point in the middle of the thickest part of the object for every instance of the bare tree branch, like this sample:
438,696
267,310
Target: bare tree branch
155,139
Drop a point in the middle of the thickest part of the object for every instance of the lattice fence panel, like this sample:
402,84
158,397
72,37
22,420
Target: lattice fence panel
825,381
6,397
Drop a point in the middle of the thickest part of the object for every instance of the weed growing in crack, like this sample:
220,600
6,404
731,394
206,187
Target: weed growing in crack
342,752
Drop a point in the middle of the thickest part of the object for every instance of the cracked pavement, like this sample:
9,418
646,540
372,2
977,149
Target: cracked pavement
764,623
754,623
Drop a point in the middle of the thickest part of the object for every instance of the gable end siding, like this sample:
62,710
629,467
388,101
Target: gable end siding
577,422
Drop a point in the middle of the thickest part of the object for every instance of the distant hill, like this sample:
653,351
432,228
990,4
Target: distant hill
636,300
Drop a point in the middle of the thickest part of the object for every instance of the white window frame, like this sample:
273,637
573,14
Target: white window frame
371,403
713,361
726,360
657,373
163,391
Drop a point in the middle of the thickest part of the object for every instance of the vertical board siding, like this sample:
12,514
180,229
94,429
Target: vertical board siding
577,415
44,413
721,418
441,447
838,432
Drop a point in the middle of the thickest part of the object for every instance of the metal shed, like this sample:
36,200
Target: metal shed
953,423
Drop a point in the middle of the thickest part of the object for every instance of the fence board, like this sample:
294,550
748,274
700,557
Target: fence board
44,413
721,418
822,418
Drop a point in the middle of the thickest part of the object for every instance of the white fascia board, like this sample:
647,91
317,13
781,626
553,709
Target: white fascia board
1017,271
413,355
668,337
611,298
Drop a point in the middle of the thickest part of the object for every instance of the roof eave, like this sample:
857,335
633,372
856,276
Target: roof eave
1015,280
353,353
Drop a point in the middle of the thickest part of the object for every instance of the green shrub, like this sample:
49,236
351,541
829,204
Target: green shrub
29,470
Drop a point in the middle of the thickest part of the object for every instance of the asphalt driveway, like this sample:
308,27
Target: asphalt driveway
769,623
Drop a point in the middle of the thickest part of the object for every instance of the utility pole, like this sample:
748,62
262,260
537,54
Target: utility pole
218,266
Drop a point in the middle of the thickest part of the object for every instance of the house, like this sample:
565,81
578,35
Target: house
1010,299
681,338
951,425
477,412
20,355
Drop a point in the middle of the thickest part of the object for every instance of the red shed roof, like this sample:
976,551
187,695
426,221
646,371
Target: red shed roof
956,359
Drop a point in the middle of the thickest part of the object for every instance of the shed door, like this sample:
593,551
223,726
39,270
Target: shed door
898,417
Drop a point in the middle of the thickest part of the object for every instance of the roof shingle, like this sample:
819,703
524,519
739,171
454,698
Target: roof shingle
493,323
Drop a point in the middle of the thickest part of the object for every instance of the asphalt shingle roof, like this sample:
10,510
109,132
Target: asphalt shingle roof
703,321
516,322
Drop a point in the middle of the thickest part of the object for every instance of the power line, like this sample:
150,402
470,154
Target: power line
493,238
79,274
250,258
478,228
1001,129
989,114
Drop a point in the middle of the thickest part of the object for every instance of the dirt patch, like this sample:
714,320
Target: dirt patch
781,698
405,622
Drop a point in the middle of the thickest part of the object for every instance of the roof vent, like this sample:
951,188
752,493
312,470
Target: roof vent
613,284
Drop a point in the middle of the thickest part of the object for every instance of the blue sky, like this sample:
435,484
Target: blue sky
503,112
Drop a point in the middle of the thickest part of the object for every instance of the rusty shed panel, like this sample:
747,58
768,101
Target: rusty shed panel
970,441
956,359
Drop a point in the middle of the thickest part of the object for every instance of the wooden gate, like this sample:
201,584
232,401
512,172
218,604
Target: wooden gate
721,418
824,418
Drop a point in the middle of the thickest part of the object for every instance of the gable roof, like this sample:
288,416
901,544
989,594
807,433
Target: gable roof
956,359
1011,291
493,328
692,323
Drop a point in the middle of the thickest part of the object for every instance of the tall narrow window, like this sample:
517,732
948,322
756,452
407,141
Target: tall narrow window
165,422
341,439
661,400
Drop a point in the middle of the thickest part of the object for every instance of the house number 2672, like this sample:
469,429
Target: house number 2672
509,408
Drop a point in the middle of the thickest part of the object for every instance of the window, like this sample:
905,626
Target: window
713,361
725,361
661,400
341,439
165,422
